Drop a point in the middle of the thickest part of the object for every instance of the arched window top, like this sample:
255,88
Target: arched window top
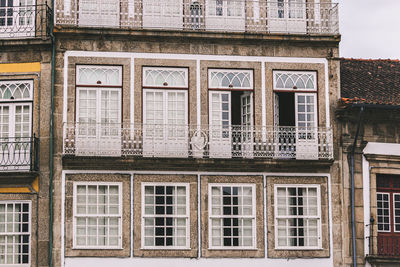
16,90
230,79
165,77
99,75
295,80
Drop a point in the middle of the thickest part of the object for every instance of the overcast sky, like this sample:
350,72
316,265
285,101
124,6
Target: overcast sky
370,28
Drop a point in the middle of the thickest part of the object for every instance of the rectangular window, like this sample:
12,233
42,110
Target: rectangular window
232,216
97,215
383,214
165,220
15,229
297,217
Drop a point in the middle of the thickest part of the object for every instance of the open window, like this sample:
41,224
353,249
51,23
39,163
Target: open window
165,112
295,114
163,14
287,16
230,113
225,14
98,110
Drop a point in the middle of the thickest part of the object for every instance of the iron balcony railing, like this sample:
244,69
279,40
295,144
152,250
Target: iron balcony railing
252,16
19,154
25,21
197,141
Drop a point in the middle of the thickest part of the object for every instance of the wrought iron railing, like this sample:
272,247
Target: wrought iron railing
253,16
28,21
19,154
195,141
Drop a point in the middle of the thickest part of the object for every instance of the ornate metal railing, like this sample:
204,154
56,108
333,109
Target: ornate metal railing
29,21
253,16
19,154
196,141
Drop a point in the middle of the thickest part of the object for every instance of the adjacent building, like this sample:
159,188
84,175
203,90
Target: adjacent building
370,91
25,75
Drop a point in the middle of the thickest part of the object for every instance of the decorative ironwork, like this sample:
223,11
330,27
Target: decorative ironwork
25,21
19,154
254,16
295,79
196,141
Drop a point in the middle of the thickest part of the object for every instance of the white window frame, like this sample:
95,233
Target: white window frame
313,73
16,234
253,217
187,216
390,226
165,84
249,72
75,215
318,216
115,67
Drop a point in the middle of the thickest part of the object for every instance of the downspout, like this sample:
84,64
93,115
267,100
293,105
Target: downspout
51,140
353,232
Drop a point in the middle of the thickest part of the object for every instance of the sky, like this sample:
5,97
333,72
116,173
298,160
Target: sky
370,28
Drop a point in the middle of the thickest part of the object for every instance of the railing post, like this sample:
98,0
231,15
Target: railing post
371,236
31,152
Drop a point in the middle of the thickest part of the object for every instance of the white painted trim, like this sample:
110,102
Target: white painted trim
198,94
132,93
318,216
199,246
263,100
62,253
187,215
327,101
132,216
367,203
253,216
389,149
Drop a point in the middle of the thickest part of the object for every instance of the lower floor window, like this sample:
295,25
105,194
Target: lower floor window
297,216
232,216
15,232
165,216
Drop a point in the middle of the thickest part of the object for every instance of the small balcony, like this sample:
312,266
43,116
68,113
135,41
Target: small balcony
249,16
25,21
197,141
384,247
19,154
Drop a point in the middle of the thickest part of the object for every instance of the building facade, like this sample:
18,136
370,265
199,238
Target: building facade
25,75
370,102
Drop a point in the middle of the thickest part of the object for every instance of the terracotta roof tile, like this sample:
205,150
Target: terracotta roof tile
371,81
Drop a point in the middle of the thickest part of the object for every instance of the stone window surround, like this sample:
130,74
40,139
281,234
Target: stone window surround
32,199
124,179
191,181
257,252
273,252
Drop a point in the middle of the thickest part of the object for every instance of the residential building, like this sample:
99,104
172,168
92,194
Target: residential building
25,75
196,132
369,125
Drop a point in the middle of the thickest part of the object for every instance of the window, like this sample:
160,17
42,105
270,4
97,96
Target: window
232,216
297,217
388,214
295,114
166,216
17,17
97,215
15,123
98,110
15,229
165,112
231,128
225,15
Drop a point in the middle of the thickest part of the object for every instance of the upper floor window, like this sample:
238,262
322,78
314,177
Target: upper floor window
165,212
230,79
297,217
97,215
232,216
15,233
165,77
295,80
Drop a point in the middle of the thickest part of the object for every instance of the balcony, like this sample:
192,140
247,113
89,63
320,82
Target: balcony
195,141
19,154
249,16
25,21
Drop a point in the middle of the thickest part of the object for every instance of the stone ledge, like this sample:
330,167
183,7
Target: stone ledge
192,164
17,177
374,259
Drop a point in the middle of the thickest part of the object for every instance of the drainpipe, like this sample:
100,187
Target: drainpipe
51,139
352,187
